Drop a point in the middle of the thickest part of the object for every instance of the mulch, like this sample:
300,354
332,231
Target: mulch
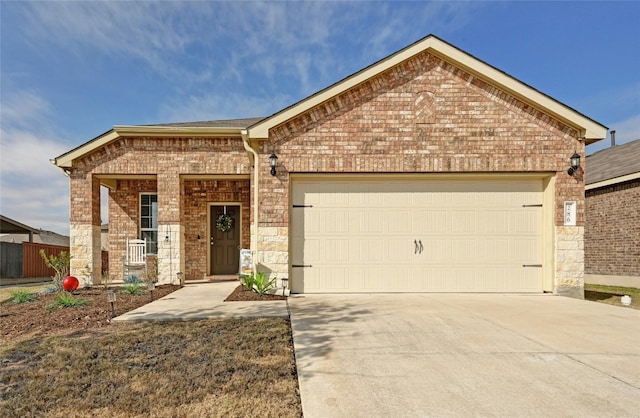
36,318
239,294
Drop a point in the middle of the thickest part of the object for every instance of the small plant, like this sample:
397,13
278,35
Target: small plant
22,296
60,264
106,279
132,288
49,290
66,300
261,284
132,279
247,281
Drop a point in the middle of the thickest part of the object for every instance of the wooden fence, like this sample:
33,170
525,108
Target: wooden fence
32,263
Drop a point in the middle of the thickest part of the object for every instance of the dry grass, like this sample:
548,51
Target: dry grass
611,294
213,368
5,293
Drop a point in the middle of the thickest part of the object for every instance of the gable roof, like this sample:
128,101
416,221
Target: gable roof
225,127
590,130
9,226
258,128
613,165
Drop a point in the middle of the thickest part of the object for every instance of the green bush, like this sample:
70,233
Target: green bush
67,300
261,284
22,296
132,289
60,264
247,281
132,279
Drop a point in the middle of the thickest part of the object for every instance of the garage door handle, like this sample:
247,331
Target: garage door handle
532,265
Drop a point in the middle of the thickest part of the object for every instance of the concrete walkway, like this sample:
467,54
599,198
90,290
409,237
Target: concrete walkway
202,301
461,355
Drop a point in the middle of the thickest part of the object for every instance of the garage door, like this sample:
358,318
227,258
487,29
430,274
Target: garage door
453,235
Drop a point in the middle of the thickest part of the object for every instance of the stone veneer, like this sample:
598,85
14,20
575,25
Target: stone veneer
170,253
86,254
569,261
274,251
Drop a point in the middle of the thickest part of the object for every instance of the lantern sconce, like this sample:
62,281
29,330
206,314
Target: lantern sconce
273,161
575,163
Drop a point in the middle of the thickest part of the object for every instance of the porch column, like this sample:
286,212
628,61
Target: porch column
84,239
171,245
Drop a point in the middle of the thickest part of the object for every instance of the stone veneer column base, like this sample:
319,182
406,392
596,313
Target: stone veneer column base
170,253
86,253
569,245
274,252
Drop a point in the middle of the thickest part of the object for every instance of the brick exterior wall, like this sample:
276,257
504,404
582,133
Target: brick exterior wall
160,164
198,194
423,116
612,232
124,218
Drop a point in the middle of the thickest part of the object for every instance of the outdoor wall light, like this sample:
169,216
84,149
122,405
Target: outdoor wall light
575,163
273,161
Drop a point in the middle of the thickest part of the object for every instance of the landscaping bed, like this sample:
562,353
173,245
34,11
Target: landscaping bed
76,362
25,319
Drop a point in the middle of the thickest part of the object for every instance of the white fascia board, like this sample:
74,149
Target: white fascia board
590,131
118,131
612,181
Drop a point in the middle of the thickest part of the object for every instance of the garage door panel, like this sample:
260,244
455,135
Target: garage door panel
429,236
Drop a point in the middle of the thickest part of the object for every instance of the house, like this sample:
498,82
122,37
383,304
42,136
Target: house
20,246
428,171
15,232
612,229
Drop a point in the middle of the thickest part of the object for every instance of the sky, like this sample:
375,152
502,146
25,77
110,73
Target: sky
70,70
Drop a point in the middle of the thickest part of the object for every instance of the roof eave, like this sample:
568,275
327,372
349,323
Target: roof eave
119,131
590,130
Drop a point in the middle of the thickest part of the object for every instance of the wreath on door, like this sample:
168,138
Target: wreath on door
224,223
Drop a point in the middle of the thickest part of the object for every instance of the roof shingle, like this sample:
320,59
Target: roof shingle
617,161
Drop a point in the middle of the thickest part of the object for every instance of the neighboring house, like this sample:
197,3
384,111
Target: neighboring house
16,232
428,171
20,247
612,229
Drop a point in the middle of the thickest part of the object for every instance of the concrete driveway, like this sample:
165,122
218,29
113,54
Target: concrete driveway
418,355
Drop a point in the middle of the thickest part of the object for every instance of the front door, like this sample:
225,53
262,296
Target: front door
224,239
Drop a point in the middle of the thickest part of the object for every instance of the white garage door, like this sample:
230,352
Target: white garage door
454,235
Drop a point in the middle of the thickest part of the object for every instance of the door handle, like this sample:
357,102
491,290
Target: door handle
211,241
415,251
421,247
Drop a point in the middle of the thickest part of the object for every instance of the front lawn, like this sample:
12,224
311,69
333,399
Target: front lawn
213,368
611,294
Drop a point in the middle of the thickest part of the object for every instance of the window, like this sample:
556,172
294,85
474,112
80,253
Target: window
149,221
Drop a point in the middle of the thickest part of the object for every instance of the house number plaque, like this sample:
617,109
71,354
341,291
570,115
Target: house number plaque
570,213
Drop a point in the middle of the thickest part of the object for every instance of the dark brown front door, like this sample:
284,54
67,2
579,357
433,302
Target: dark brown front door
225,245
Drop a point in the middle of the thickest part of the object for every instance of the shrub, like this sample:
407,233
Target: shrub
247,281
67,300
132,279
132,289
60,264
22,296
261,284
49,290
